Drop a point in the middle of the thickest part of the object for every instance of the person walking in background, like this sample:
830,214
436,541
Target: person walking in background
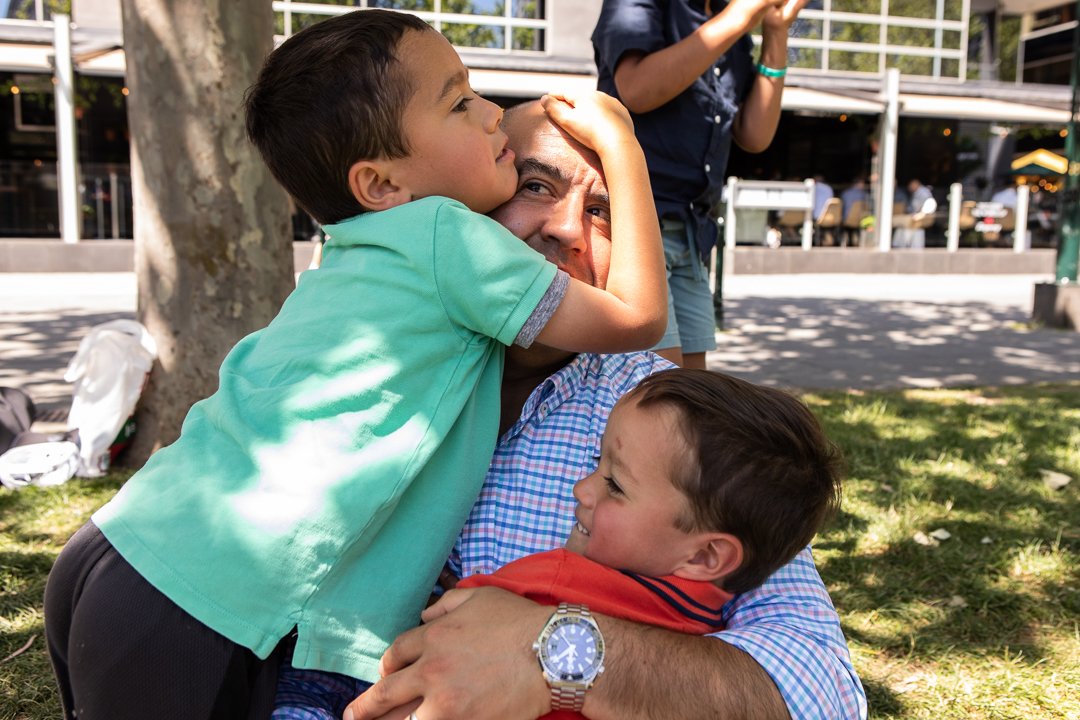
685,70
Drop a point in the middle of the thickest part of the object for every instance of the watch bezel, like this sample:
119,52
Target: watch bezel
584,679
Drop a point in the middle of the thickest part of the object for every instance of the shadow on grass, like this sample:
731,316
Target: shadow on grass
969,594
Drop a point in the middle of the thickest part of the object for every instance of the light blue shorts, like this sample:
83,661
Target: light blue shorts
691,319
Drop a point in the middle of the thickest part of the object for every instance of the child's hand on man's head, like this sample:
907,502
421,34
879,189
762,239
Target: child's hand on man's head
595,119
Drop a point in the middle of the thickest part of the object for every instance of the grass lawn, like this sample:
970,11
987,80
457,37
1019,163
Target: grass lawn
979,621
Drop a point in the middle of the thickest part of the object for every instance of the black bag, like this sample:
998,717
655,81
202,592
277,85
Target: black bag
17,414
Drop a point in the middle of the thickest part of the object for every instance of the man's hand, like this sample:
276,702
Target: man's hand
472,659
595,119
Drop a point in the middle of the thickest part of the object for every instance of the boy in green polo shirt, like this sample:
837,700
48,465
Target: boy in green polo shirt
320,488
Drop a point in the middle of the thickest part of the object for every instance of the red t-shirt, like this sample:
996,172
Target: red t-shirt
556,576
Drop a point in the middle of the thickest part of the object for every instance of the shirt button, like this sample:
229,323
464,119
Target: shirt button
716,72
708,167
716,119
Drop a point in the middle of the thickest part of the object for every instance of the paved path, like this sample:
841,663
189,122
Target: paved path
889,331
800,331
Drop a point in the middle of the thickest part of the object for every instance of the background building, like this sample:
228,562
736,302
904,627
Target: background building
980,83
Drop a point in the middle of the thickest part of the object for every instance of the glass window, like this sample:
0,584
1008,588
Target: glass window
414,5
28,10
950,39
926,9
528,9
807,58
473,36
910,37
950,68
473,7
528,39
857,6
848,61
807,28
912,64
854,32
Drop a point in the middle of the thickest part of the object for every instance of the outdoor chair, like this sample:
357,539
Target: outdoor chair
828,222
790,223
853,221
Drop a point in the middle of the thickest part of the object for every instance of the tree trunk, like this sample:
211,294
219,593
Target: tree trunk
213,250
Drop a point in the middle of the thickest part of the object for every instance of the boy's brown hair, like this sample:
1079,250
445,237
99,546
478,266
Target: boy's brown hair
332,94
762,468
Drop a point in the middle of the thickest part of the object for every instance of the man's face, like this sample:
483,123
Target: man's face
561,207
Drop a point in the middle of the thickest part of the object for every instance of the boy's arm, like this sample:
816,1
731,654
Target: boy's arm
631,314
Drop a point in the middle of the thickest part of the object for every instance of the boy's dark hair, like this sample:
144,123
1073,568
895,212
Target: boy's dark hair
762,468
332,94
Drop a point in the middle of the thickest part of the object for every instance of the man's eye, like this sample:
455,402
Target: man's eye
602,213
612,486
535,187
463,104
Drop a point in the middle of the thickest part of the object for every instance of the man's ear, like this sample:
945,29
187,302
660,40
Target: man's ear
370,183
715,556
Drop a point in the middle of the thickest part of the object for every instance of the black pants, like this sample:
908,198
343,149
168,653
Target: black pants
120,649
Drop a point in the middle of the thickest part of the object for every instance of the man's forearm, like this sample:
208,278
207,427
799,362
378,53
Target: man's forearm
655,673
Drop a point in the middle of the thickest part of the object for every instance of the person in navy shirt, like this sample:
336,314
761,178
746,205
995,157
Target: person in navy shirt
685,70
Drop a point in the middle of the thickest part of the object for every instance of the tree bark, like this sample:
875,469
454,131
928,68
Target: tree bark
213,250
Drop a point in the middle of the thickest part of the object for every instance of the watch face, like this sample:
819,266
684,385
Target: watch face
573,650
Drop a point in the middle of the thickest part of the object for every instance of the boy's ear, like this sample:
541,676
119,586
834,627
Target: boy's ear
369,181
716,556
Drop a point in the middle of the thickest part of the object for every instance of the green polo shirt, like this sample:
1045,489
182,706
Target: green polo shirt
322,486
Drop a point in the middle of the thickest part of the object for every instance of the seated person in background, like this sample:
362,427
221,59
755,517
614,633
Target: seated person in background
320,488
854,193
782,655
910,228
823,193
706,486
1006,196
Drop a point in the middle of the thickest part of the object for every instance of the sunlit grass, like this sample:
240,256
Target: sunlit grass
981,623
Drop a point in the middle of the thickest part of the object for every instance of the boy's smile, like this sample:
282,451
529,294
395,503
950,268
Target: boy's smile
456,147
627,511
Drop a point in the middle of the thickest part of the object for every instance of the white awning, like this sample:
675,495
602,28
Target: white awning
801,98
108,62
973,108
18,57
508,83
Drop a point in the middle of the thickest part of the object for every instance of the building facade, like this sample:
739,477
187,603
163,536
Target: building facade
951,128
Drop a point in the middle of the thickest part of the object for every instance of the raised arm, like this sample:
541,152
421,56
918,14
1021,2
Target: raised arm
631,313
759,114
647,81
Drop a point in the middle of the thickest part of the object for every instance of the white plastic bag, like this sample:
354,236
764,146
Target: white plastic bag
108,370
47,463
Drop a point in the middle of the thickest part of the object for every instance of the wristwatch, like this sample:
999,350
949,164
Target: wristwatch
571,654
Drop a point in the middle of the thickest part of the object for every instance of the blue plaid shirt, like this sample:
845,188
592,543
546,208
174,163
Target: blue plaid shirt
788,625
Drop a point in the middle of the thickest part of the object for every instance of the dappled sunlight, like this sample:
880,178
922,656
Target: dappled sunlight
816,342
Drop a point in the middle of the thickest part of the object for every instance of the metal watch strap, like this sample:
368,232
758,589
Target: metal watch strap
563,697
567,698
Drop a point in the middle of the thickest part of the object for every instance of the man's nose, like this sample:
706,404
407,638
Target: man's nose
565,224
